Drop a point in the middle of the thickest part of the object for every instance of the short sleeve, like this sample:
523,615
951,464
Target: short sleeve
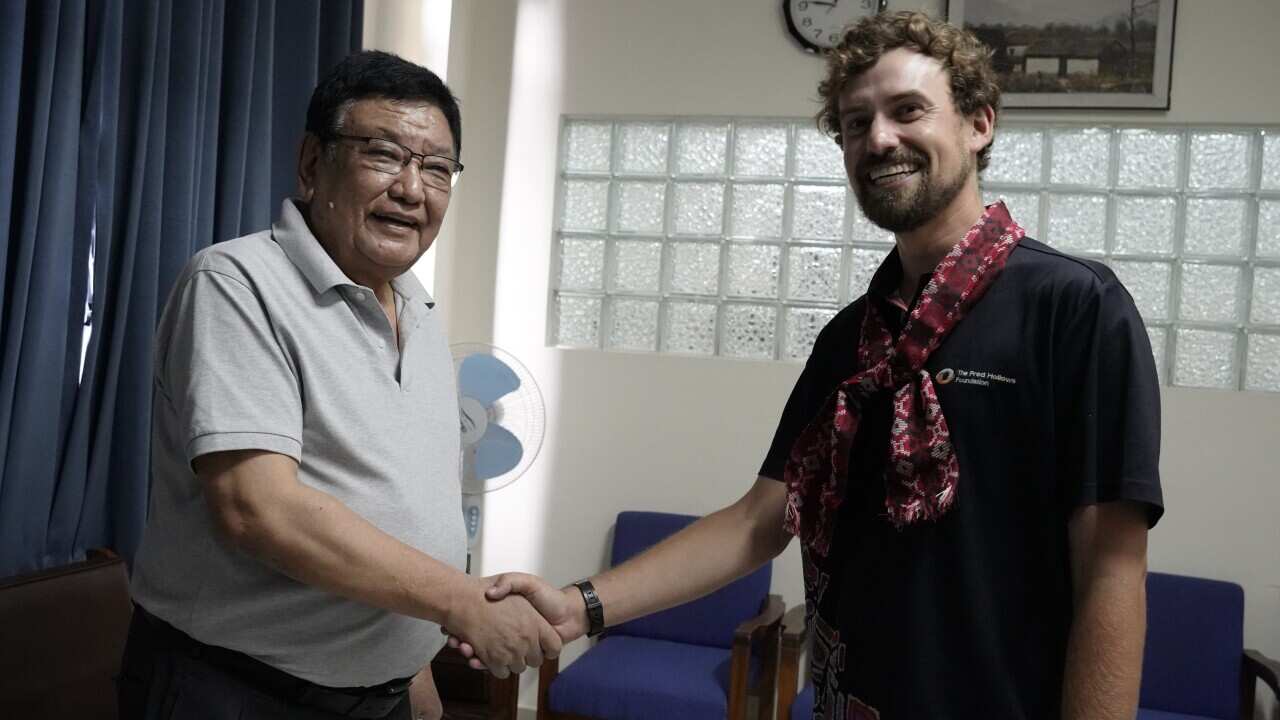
815,384
1109,395
229,382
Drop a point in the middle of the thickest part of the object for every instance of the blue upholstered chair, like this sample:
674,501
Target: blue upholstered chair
691,662
1194,666
802,707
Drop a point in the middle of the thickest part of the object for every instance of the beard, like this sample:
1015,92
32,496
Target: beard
903,209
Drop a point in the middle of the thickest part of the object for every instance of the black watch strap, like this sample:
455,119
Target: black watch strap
595,610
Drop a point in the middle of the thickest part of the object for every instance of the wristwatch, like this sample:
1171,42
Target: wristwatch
595,610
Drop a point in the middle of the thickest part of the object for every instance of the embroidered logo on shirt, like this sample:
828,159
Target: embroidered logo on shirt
983,378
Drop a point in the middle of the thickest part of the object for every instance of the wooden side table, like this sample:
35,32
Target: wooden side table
469,694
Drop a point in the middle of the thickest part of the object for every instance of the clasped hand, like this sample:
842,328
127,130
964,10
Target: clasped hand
519,621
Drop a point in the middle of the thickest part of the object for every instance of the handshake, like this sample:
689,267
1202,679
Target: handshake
510,622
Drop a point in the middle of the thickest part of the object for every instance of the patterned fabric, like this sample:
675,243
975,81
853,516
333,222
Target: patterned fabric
828,655
922,470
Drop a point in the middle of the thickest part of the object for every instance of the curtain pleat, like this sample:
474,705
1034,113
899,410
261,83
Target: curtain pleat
148,129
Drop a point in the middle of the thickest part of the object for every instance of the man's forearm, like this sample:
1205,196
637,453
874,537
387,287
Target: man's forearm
1104,651
708,554
314,538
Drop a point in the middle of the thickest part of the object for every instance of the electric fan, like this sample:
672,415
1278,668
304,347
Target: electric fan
503,421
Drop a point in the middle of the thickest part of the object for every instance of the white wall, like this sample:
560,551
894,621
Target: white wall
632,431
418,31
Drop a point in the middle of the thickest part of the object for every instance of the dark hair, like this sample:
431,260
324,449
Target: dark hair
965,58
377,74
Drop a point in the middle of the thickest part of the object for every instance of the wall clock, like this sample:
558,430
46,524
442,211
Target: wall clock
816,24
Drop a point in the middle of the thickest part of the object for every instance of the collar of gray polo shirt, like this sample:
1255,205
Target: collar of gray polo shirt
302,248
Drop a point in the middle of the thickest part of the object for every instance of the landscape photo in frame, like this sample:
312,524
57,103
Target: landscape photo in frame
1077,54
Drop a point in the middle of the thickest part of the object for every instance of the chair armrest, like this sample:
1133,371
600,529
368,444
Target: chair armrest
794,630
769,616
547,672
1260,667
794,633
762,631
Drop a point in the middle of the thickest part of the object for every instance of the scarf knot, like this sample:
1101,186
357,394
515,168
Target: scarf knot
922,470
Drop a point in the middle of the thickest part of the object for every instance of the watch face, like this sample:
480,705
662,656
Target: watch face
816,24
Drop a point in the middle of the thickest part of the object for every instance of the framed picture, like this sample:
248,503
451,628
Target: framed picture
1077,54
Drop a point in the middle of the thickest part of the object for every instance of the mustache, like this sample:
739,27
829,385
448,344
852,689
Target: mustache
896,156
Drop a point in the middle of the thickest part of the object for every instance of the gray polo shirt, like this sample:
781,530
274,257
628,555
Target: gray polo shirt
266,344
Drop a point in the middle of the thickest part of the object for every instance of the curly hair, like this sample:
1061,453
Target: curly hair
965,58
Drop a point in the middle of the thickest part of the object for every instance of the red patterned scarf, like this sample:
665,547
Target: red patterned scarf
922,471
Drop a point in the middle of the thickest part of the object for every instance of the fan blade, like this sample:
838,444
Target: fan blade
486,378
497,452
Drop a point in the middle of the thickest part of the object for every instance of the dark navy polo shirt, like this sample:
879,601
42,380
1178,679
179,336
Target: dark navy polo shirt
1049,389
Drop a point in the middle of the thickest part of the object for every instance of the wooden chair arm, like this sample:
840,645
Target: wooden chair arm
794,633
762,631
547,672
750,630
794,630
1257,667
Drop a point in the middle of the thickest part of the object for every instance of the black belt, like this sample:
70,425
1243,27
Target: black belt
356,702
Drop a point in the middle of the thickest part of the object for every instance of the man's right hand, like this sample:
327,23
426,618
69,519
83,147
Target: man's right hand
563,608
507,636
708,554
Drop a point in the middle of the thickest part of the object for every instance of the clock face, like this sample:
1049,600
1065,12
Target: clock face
816,24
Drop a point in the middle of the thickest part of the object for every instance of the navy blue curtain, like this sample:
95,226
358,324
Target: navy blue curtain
145,130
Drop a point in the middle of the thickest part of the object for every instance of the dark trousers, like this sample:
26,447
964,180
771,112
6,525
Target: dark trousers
166,674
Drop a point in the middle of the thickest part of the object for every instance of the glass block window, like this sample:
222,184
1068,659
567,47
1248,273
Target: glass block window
740,238
705,236
1187,217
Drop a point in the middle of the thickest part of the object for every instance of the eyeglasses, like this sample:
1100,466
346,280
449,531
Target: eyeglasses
391,158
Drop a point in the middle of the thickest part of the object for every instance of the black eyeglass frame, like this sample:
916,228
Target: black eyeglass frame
422,157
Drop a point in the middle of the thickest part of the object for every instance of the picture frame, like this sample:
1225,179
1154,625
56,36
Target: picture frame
1084,54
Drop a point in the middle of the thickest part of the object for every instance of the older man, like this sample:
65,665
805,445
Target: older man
970,454
305,536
